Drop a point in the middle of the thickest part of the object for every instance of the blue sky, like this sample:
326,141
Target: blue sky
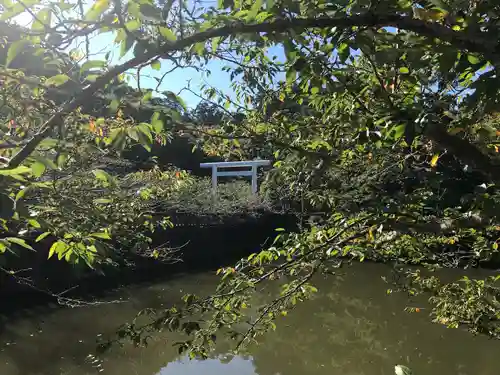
175,81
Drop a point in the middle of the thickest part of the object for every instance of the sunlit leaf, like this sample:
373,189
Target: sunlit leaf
103,235
38,168
42,20
15,171
34,223
102,201
254,10
98,8
42,236
133,25
92,64
101,175
156,65
473,59
434,160
20,242
167,34
57,80
58,247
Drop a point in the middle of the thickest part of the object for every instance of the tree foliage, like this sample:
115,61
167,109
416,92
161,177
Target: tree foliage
381,114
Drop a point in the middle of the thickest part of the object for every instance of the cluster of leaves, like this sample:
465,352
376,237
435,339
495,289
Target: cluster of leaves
473,302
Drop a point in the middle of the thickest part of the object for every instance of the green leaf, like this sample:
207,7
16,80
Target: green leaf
404,70
103,235
15,171
343,52
58,247
61,160
114,105
38,168
157,123
98,8
101,175
42,236
13,11
20,242
172,96
254,10
167,34
473,59
20,194
399,131
88,65
102,201
118,139
42,20
156,65
14,50
199,48
34,223
215,43
46,161
57,80
145,135
133,25
291,76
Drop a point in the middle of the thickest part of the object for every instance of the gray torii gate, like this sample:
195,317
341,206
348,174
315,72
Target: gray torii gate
252,164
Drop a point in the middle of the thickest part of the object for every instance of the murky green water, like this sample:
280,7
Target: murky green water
351,328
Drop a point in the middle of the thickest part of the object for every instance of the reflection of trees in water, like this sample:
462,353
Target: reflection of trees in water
349,328
322,335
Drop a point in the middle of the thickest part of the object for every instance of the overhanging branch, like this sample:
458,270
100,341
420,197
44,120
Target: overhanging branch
433,30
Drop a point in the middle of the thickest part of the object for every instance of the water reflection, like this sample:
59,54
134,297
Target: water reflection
350,328
217,366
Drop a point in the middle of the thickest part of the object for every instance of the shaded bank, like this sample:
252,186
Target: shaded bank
199,243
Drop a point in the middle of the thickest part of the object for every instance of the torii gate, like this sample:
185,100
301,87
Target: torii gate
253,164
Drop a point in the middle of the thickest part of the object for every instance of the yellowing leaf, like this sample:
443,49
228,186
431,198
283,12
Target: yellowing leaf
434,160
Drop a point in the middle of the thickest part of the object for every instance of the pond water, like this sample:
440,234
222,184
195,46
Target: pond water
352,327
